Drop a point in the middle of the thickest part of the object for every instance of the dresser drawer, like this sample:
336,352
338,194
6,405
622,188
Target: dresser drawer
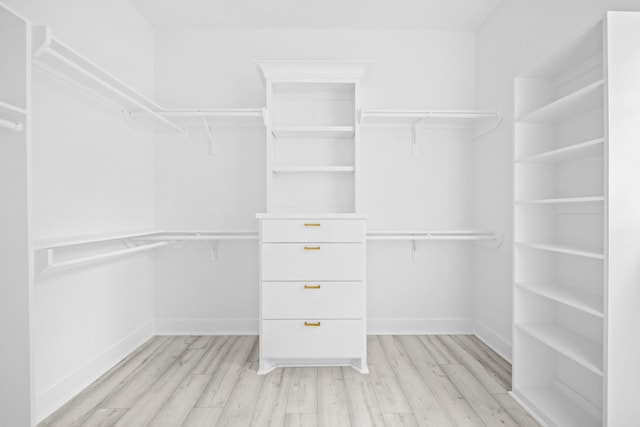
292,339
327,300
315,261
313,230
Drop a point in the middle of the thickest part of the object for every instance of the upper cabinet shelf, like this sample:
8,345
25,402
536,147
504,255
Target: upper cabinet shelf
59,59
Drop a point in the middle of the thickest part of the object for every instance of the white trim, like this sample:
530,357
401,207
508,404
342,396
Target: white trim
491,338
206,326
57,395
419,326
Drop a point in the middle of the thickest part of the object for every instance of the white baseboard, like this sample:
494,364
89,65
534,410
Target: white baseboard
206,327
499,344
57,395
419,326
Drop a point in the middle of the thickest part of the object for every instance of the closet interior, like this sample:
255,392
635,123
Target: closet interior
324,206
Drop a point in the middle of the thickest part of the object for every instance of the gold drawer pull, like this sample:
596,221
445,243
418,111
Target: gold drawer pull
312,248
308,224
312,286
311,323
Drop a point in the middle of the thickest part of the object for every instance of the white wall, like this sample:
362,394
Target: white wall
516,35
411,69
92,173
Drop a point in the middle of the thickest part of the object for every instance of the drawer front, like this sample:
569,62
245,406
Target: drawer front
292,339
313,230
321,300
315,261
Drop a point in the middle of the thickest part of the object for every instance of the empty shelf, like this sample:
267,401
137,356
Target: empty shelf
582,350
200,235
432,235
571,152
574,104
556,407
11,107
563,200
567,295
570,250
54,56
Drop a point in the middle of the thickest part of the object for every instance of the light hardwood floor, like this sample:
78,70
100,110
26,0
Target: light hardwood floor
435,380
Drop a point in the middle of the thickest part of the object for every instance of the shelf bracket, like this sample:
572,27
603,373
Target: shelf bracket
488,129
414,139
414,250
212,144
213,247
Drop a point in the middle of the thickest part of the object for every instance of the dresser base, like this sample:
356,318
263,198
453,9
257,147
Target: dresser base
268,365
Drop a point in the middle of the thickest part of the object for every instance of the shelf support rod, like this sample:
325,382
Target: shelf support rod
212,144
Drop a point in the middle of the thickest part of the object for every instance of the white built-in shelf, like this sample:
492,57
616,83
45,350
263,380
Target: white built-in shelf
567,295
563,200
432,235
199,235
314,169
52,243
441,118
557,406
215,117
564,249
590,148
576,347
313,131
54,56
580,101
11,107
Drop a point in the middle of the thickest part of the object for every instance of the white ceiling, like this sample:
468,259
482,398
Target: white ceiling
330,14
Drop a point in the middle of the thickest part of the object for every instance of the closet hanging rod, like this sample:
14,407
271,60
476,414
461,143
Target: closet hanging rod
51,264
11,125
231,112
200,235
429,114
127,98
433,235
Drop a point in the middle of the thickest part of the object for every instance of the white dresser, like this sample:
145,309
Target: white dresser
312,236
312,291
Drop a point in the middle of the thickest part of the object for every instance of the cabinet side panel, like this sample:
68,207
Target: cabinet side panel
623,268
16,280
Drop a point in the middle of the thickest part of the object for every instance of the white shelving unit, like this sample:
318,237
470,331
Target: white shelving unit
52,55
575,226
312,237
312,136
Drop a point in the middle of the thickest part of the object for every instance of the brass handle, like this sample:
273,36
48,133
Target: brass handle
312,248
312,224
312,286
311,324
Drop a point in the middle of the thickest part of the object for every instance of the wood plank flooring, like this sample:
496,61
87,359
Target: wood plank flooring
435,380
